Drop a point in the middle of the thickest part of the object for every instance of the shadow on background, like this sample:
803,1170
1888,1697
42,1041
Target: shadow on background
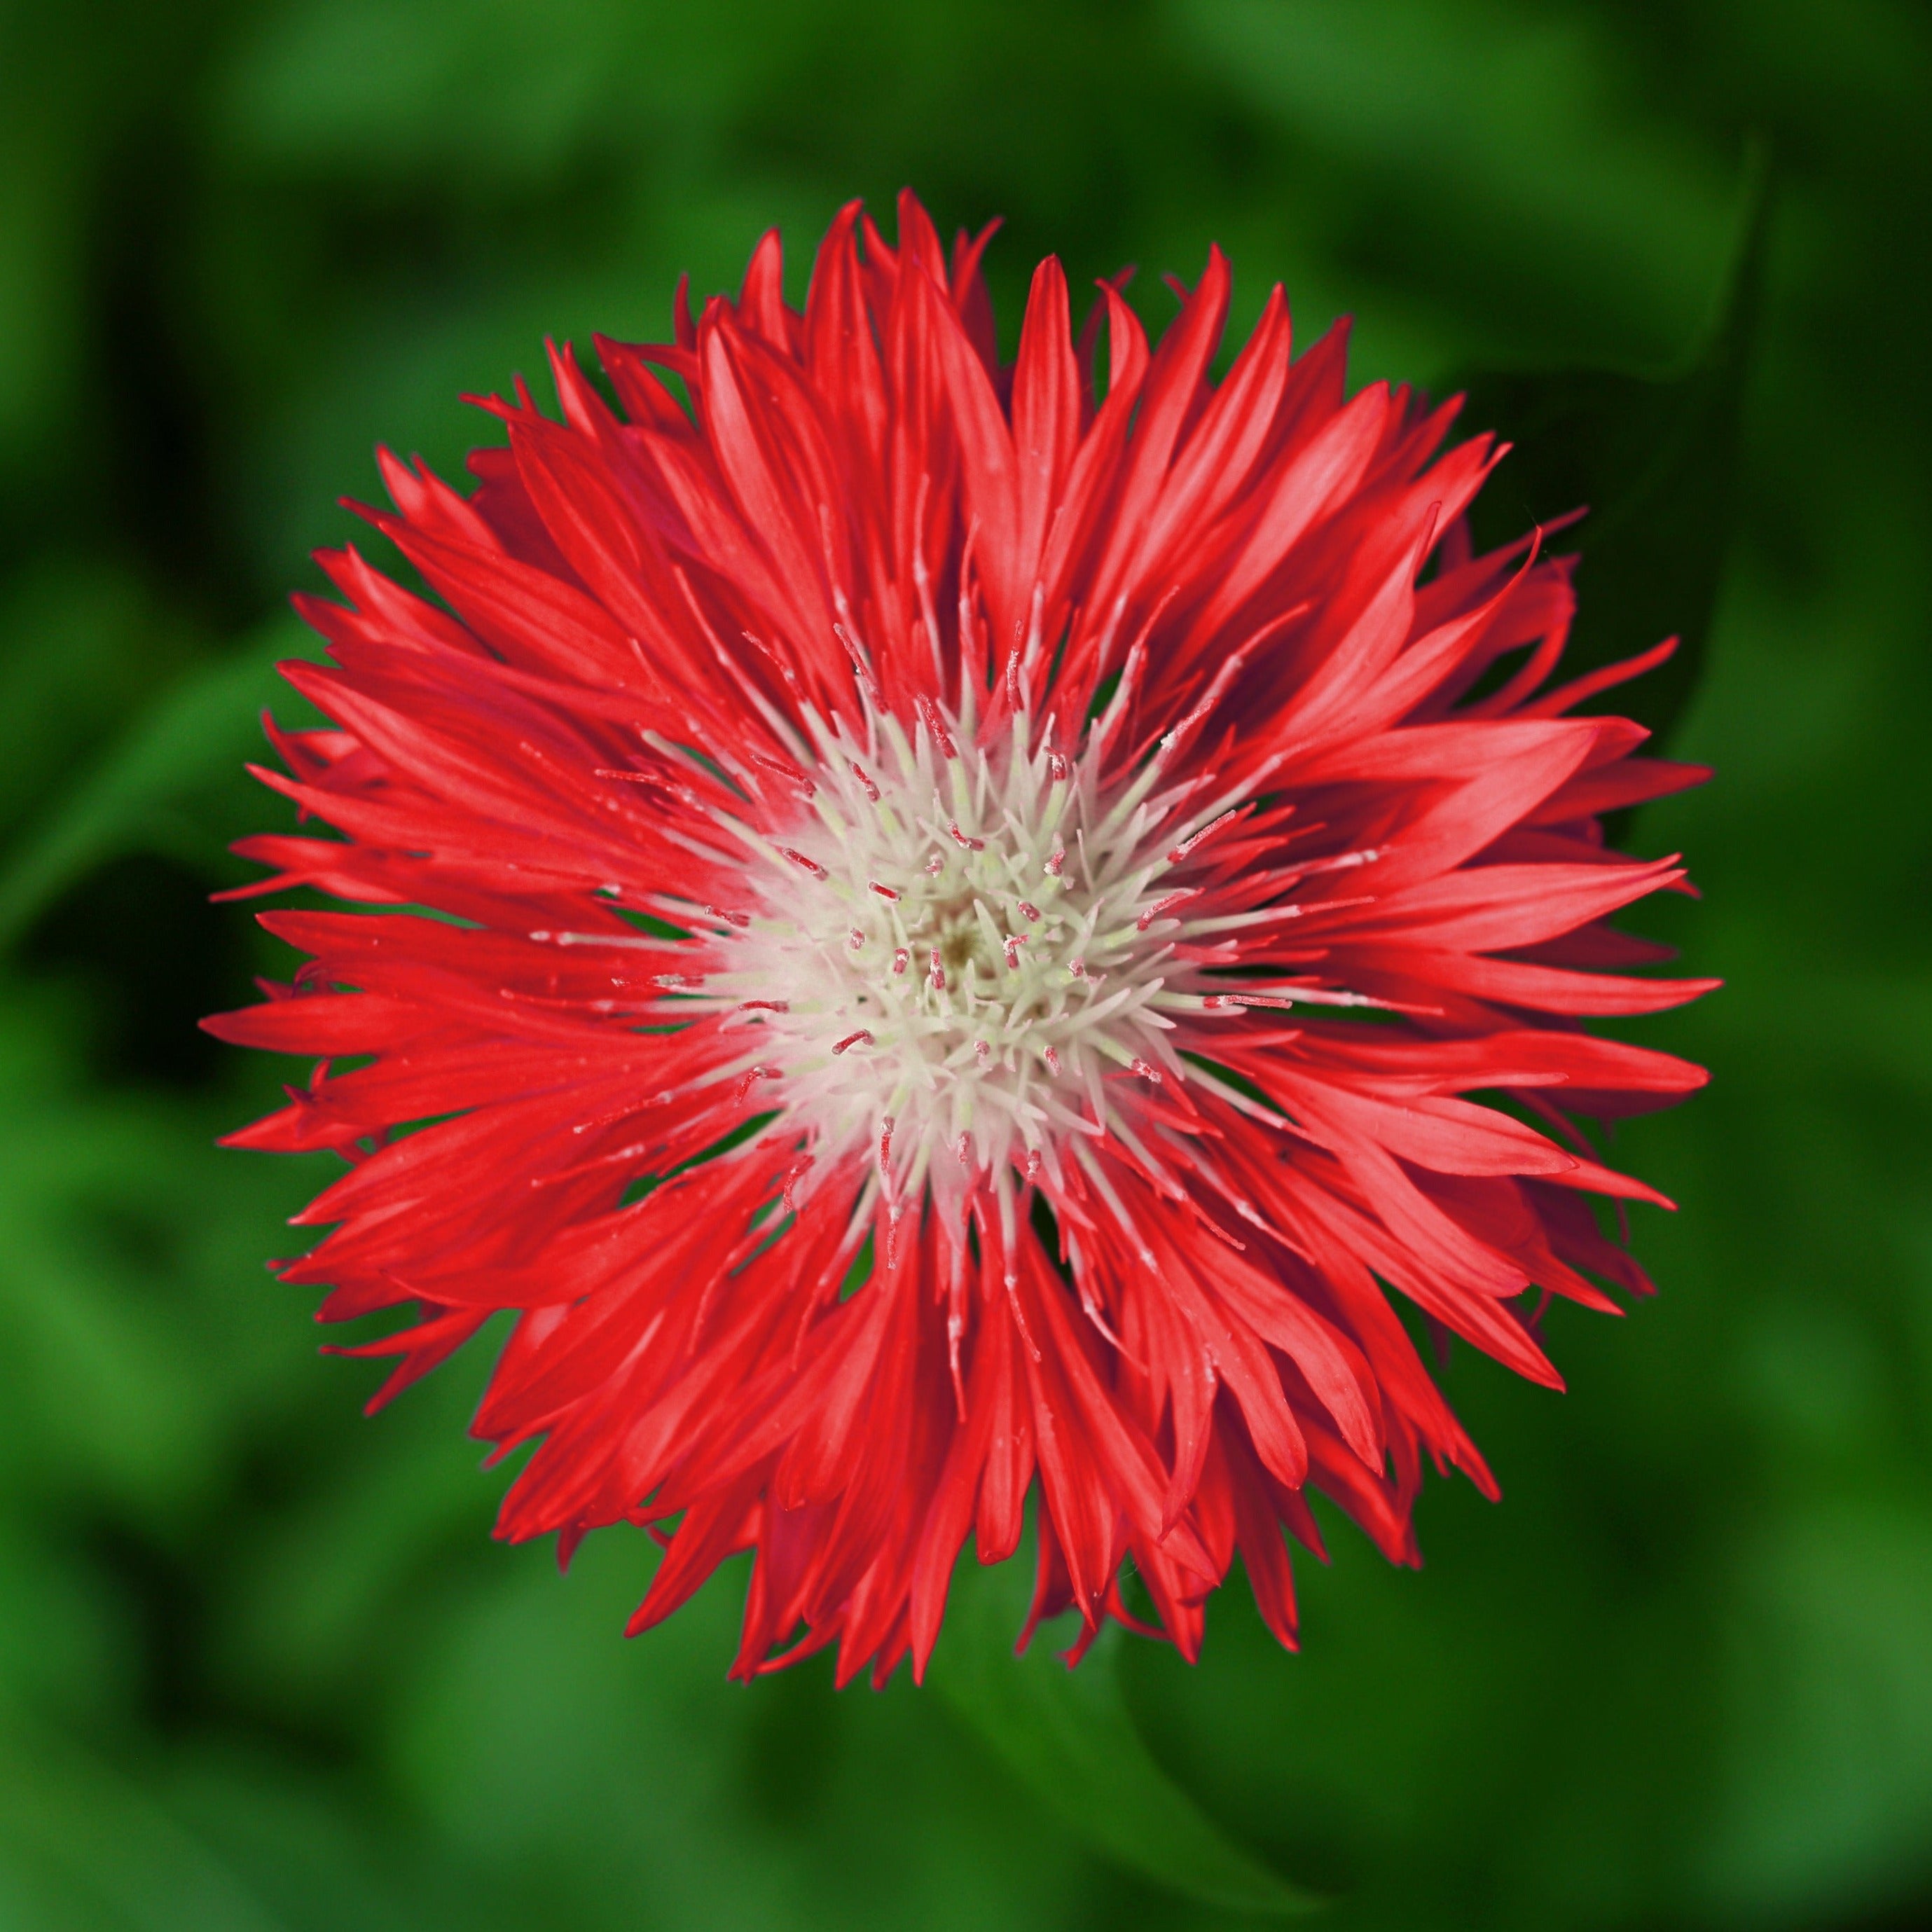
259,1665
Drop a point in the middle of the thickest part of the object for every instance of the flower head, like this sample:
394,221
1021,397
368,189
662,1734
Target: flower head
930,934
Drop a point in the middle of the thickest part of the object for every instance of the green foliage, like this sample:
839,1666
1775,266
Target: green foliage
1653,462
261,1664
1069,1736
170,787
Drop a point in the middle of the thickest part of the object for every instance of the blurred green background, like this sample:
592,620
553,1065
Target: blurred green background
260,1665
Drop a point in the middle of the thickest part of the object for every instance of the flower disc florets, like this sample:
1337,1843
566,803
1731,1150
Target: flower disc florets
936,938
955,951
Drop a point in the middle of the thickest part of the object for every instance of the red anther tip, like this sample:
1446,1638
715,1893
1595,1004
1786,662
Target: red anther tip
855,939
871,790
1164,905
929,712
901,958
938,974
961,840
863,1037
1147,1071
812,865
785,771
1052,1058
1029,910
764,1006
884,892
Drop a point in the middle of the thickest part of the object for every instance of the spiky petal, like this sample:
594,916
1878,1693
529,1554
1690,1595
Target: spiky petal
944,932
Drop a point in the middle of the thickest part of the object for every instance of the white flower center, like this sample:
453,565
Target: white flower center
952,954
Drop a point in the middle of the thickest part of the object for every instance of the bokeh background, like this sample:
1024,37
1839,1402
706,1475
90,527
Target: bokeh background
261,1665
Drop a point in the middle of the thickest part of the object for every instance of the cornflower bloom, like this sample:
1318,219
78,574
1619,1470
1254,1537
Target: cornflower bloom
928,934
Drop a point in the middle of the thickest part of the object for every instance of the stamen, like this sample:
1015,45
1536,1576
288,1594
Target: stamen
1342,861
863,1036
1165,905
1194,839
789,772
855,939
811,866
872,790
929,712
884,892
901,958
1029,911
956,1329
960,838
938,972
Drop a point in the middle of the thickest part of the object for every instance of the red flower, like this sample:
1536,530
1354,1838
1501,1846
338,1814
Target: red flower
943,927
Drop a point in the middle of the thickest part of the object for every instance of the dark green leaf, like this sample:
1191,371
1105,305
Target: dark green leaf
1069,1736
150,792
1654,459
